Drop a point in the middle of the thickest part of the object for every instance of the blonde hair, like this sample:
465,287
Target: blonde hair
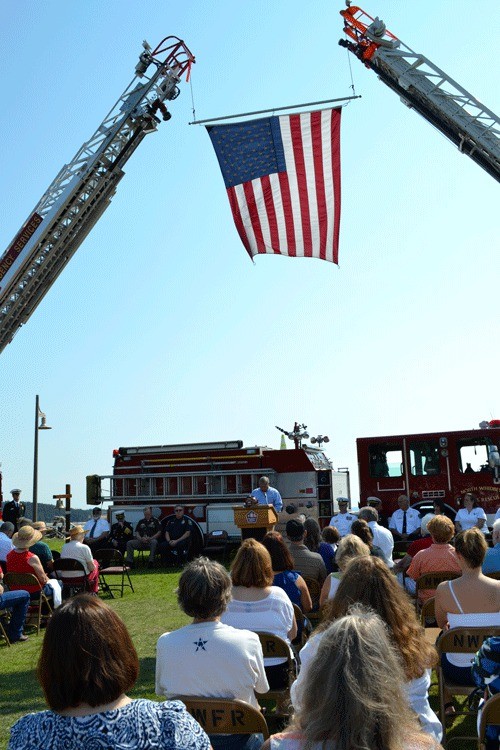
252,566
350,546
353,692
472,545
441,529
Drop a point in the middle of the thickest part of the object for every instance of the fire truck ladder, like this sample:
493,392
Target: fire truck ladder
422,86
83,189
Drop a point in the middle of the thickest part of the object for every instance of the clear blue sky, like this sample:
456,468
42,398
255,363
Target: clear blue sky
161,330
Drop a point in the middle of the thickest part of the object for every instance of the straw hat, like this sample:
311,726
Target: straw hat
26,537
76,531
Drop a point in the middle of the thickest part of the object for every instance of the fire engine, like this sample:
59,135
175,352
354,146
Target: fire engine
208,479
432,465
83,189
424,87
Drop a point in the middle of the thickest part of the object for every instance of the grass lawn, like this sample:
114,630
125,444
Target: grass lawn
148,613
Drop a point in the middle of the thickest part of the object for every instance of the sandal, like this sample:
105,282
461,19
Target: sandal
449,709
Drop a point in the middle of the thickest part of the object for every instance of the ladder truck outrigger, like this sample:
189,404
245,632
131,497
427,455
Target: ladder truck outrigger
422,86
83,189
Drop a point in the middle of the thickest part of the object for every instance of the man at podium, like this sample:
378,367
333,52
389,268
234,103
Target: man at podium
266,495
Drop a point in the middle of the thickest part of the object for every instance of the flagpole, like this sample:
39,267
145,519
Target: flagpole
274,109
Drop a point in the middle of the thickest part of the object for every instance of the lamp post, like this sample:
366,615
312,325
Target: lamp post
39,417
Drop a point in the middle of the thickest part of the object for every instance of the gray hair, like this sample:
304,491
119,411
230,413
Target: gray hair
204,589
7,528
495,531
368,514
344,704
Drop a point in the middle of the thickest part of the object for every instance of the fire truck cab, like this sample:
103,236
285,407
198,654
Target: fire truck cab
208,479
427,466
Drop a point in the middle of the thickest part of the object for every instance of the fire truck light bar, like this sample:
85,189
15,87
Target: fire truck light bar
182,448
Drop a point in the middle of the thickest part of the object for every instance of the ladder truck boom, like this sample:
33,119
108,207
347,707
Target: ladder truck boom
84,187
422,86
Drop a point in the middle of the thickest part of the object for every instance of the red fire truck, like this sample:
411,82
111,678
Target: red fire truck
209,478
426,466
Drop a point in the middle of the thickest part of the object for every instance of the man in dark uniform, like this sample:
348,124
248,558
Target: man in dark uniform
175,537
147,533
121,533
14,509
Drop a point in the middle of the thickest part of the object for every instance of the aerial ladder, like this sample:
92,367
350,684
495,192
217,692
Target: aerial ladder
422,86
83,189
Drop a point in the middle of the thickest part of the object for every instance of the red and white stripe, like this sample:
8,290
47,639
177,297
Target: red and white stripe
297,212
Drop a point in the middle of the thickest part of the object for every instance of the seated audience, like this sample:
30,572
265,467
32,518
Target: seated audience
331,536
348,701
87,665
41,549
308,564
471,515
76,550
259,606
402,565
349,547
360,528
175,537
471,600
405,521
486,675
381,537
121,533
6,532
218,661
147,534
491,562
313,543
440,557
367,581
96,530
17,602
285,577
21,560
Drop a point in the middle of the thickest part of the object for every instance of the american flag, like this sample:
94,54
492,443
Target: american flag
282,176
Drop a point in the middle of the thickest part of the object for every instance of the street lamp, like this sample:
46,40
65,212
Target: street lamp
39,417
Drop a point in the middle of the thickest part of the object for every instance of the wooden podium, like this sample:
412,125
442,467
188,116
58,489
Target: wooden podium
255,521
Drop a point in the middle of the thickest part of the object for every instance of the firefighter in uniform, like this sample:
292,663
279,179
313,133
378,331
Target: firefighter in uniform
175,537
121,533
14,509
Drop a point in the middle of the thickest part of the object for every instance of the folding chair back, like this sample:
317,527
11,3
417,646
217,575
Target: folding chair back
275,647
459,641
216,542
71,584
314,588
430,582
111,563
38,600
490,714
495,575
220,716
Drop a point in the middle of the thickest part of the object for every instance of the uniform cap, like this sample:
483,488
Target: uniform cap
120,516
15,492
343,500
372,500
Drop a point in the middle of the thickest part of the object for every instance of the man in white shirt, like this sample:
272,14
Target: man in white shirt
6,531
96,530
405,522
208,658
381,537
343,520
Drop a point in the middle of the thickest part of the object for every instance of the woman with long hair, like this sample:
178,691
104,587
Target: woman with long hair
353,693
314,543
369,582
87,665
360,528
259,606
284,574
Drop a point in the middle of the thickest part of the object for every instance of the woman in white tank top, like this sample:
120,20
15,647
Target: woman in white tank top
473,600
